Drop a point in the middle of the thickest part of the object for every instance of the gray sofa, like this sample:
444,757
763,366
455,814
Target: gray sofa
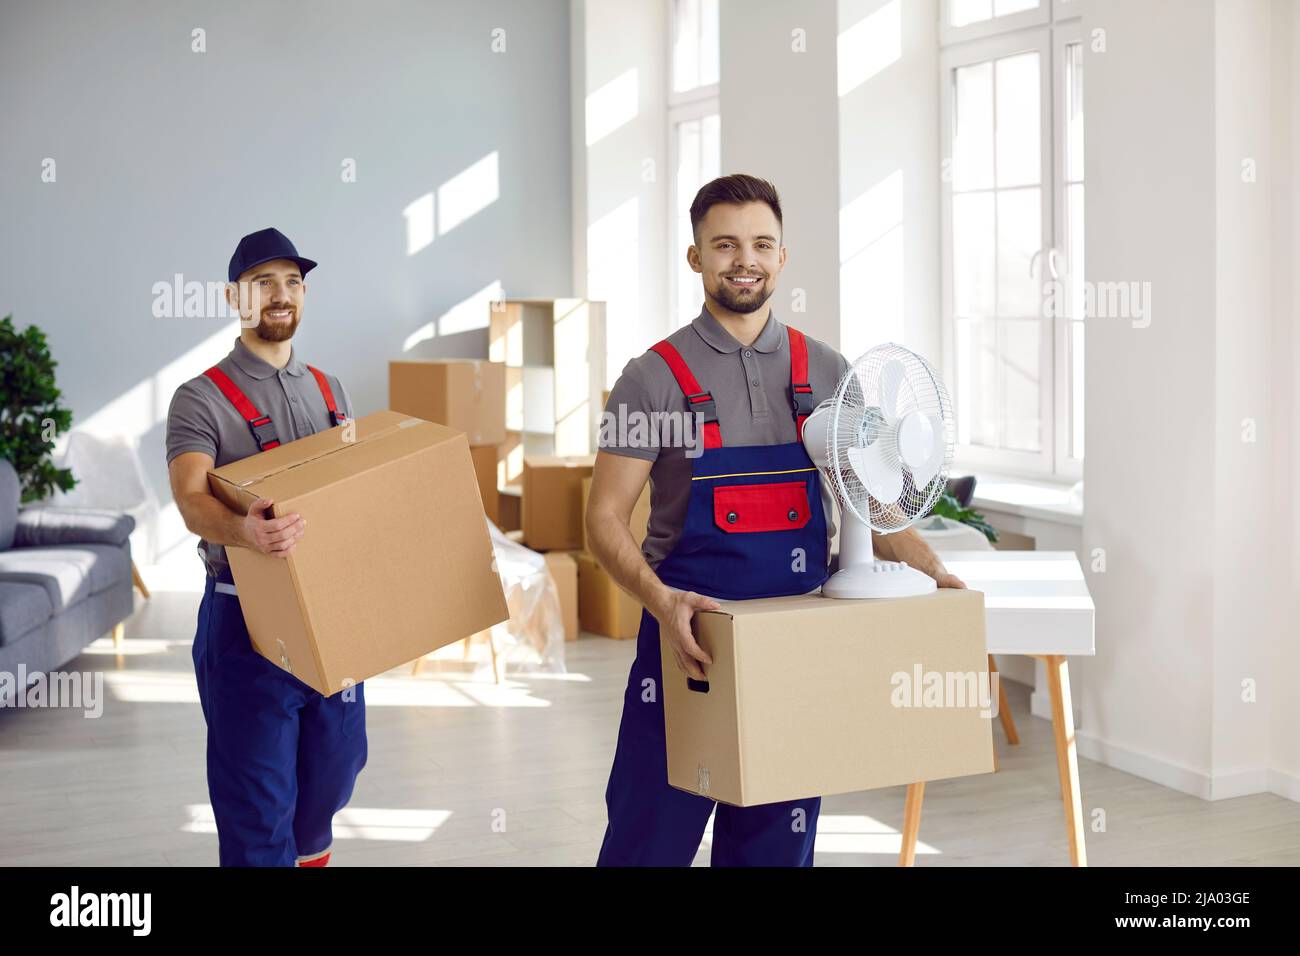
65,580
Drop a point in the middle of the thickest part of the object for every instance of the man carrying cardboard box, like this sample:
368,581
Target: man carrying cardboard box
282,758
712,416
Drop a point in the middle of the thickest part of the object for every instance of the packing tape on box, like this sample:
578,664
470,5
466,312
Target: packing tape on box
382,433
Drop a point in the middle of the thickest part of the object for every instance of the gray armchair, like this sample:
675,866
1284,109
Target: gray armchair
65,580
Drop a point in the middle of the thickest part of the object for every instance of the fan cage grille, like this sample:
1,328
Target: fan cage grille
857,419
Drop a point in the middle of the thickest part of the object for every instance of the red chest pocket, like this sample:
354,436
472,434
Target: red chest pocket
781,506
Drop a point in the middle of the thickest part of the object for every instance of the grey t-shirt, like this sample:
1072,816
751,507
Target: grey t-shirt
202,419
751,391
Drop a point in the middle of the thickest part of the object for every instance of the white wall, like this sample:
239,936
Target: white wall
1150,414
1197,531
780,121
1249,556
165,157
1284,35
620,200
890,185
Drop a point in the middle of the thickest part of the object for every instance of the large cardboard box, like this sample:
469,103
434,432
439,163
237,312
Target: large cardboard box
603,607
637,524
466,394
564,571
485,470
552,501
396,560
810,696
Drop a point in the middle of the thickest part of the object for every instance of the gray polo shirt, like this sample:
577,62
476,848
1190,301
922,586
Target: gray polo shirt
202,419
751,390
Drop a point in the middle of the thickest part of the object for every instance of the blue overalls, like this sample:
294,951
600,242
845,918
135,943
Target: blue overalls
282,759
754,528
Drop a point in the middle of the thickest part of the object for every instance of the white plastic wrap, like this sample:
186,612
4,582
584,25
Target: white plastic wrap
533,639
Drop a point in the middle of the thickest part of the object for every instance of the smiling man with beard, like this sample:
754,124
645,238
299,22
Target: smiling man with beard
747,518
282,759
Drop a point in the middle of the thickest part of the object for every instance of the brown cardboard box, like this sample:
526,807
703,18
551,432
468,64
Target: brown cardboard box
395,561
564,570
466,394
802,697
485,470
638,523
603,607
552,501
509,505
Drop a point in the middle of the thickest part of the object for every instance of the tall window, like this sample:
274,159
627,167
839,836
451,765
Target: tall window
1013,233
695,132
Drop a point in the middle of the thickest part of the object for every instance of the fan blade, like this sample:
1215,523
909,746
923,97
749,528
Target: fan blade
882,478
921,440
891,383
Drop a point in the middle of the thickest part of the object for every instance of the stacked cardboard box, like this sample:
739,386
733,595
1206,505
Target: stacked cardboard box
564,572
603,607
552,501
466,394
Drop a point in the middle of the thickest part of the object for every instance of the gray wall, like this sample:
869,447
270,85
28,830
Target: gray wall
165,157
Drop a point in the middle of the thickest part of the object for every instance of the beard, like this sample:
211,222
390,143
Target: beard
277,331
742,304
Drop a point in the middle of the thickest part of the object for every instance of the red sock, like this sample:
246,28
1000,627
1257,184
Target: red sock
321,860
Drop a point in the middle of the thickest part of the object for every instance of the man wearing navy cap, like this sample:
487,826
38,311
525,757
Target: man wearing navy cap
282,759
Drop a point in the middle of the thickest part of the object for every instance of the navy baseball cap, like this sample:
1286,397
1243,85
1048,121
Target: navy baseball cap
263,246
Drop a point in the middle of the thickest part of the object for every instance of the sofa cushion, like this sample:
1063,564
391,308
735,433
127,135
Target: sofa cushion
22,608
9,493
69,573
42,527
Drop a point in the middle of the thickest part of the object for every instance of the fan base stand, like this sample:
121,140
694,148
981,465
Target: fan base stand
879,579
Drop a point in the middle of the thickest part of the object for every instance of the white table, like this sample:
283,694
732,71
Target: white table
1036,603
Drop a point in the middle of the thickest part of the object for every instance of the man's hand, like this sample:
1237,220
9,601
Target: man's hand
674,615
274,536
910,547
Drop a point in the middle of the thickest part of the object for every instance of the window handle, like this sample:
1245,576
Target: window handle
1052,253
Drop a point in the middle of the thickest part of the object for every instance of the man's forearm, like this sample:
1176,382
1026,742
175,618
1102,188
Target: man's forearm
616,550
211,520
908,546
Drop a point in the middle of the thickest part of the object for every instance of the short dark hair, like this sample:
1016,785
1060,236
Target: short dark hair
736,189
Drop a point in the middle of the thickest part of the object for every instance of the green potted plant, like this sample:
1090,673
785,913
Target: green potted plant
30,414
948,507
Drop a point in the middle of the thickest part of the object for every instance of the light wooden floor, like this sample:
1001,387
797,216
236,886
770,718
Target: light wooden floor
463,772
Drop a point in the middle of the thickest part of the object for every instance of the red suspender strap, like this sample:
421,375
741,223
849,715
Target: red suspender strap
260,425
801,396
697,398
323,382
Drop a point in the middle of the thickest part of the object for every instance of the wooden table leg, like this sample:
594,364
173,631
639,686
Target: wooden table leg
1004,712
1067,763
911,823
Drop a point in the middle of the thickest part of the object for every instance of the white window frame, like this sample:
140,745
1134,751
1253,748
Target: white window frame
683,106
1040,16
1065,465
1052,26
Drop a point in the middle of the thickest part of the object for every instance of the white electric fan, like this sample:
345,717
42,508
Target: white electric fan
884,442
